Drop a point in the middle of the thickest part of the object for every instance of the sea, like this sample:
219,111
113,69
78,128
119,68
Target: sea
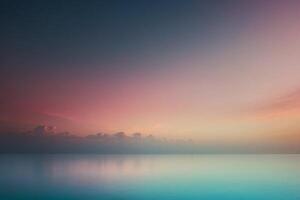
149,177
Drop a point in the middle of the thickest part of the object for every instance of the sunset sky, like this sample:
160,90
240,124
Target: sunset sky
206,70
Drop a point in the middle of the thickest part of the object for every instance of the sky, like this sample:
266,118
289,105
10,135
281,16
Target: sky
211,71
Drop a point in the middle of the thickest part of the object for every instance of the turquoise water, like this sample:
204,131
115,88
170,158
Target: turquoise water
130,177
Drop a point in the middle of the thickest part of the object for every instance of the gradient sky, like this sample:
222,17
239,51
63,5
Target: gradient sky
206,70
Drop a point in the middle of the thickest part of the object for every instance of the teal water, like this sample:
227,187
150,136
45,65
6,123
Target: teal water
149,177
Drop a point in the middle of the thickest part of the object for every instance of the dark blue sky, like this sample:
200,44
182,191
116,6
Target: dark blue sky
55,33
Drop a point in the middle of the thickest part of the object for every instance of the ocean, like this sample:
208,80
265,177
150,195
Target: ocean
149,177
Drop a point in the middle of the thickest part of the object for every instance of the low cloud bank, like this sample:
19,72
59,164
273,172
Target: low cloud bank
45,139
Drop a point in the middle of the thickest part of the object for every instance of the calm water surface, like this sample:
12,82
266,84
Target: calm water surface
166,177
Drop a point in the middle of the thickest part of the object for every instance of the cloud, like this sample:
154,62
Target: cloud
11,120
283,104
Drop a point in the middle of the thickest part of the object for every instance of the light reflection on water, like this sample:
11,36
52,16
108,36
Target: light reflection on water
211,177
